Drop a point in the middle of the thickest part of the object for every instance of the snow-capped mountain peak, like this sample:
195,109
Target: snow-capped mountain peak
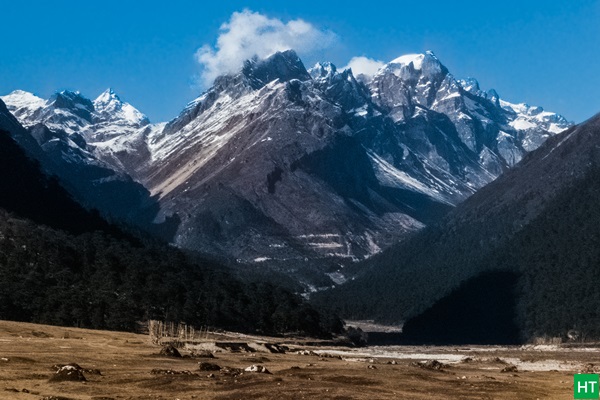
415,59
109,107
470,85
107,96
71,112
426,64
322,70
23,104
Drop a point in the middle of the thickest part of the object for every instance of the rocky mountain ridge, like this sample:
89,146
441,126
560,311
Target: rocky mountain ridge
281,164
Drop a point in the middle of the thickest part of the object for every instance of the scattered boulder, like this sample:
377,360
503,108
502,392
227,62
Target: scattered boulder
257,368
68,373
202,354
170,351
371,366
91,371
433,365
276,348
56,367
306,353
466,360
235,347
205,366
509,368
393,362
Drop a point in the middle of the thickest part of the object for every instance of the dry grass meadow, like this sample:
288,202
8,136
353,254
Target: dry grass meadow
120,365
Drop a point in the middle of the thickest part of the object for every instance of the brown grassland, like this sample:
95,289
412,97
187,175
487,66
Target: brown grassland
126,362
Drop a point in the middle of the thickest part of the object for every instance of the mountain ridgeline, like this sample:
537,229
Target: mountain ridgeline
535,227
290,170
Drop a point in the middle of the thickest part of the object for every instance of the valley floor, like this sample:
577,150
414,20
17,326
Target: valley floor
126,362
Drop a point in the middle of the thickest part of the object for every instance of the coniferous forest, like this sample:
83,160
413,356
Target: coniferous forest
61,264
540,281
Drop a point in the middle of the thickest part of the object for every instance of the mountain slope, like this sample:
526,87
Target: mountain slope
341,167
55,137
28,192
308,170
537,220
61,264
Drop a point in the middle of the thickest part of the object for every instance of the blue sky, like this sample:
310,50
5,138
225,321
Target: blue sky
541,52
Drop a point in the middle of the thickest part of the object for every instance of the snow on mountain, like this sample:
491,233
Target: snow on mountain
277,163
108,106
389,176
64,128
98,128
536,124
405,66
23,104
261,134
72,113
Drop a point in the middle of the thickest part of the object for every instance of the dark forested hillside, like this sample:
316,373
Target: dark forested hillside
482,310
94,280
25,190
559,257
549,289
540,221
60,264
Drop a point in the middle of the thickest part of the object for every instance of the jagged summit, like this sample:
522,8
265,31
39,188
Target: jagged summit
470,84
426,64
284,66
322,70
107,96
74,102
110,108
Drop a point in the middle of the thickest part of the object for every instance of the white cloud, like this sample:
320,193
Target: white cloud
249,34
364,65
